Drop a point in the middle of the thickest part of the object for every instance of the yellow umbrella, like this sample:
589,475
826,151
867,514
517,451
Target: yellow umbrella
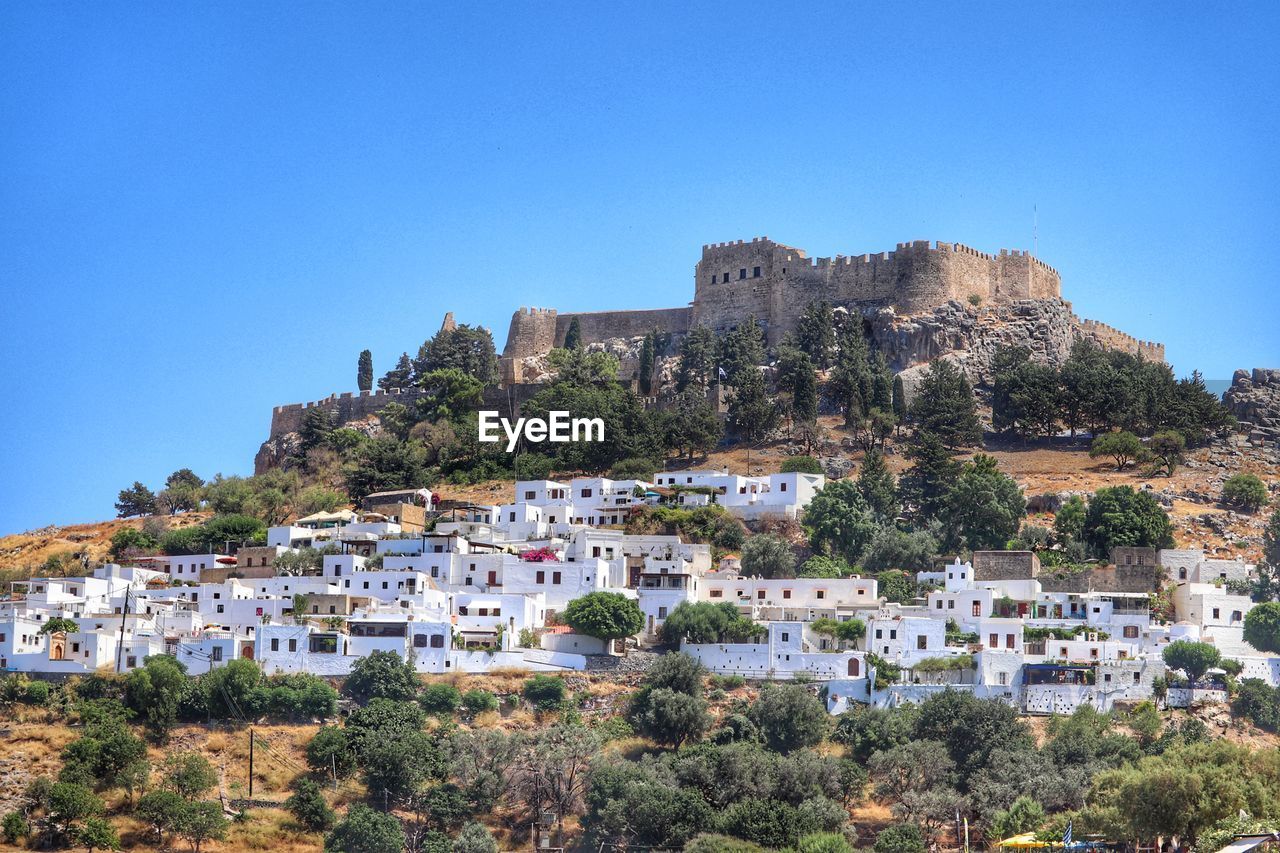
1027,841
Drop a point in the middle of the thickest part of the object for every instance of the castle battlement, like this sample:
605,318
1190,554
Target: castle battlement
332,398
348,406
913,247
774,283
1109,337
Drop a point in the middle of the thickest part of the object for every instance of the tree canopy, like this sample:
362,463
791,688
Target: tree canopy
605,615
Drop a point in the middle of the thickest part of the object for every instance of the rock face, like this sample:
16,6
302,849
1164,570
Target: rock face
971,335
1254,398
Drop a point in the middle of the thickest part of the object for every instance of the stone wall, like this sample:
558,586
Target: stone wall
1021,565
955,297
1005,565
1110,338
1105,579
532,332
603,325
776,282
352,408
346,407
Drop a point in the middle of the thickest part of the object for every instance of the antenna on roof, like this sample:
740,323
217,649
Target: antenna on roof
1035,231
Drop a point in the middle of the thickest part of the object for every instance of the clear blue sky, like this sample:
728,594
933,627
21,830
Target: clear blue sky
209,209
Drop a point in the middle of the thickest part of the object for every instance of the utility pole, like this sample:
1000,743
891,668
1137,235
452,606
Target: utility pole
124,618
251,762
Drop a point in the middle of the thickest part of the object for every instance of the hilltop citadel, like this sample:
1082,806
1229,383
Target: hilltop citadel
922,301
921,279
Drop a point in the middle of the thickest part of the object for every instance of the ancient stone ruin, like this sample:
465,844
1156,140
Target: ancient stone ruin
919,302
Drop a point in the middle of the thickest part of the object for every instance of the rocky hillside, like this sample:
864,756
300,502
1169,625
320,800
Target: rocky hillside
1254,398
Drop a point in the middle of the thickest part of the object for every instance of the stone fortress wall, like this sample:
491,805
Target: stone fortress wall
351,406
346,407
1108,337
536,331
775,283
921,301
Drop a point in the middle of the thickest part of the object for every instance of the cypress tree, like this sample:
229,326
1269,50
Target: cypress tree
364,372
646,364
573,337
899,401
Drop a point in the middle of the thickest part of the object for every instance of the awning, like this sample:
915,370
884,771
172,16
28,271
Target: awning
1243,843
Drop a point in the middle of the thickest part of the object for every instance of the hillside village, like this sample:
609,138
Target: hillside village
488,586
785,547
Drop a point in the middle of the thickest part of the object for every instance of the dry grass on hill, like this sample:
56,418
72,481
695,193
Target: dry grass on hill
24,554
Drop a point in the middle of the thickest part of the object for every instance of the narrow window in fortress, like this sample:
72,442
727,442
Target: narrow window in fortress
726,278
755,272
742,273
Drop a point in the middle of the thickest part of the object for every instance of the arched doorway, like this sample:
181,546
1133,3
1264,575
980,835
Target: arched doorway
854,667
246,651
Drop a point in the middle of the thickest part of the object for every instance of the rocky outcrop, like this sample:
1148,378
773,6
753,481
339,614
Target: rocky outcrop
970,335
1254,398
277,449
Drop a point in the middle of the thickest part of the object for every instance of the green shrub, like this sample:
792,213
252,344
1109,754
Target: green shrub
900,838
1245,491
800,465
635,468
544,692
478,701
442,699
533,466
37,693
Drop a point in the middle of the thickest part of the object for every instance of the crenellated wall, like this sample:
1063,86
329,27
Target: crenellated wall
349,407
532,332
775,282
1108,337
346,407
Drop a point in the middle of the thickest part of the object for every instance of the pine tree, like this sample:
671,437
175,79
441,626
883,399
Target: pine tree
877,485
364,371
804,397
851,380
924,486
798,380
135,500
697,359
742,350
400,377
692,426
467,348
881,384
945,406
752,414
573,337
816,334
